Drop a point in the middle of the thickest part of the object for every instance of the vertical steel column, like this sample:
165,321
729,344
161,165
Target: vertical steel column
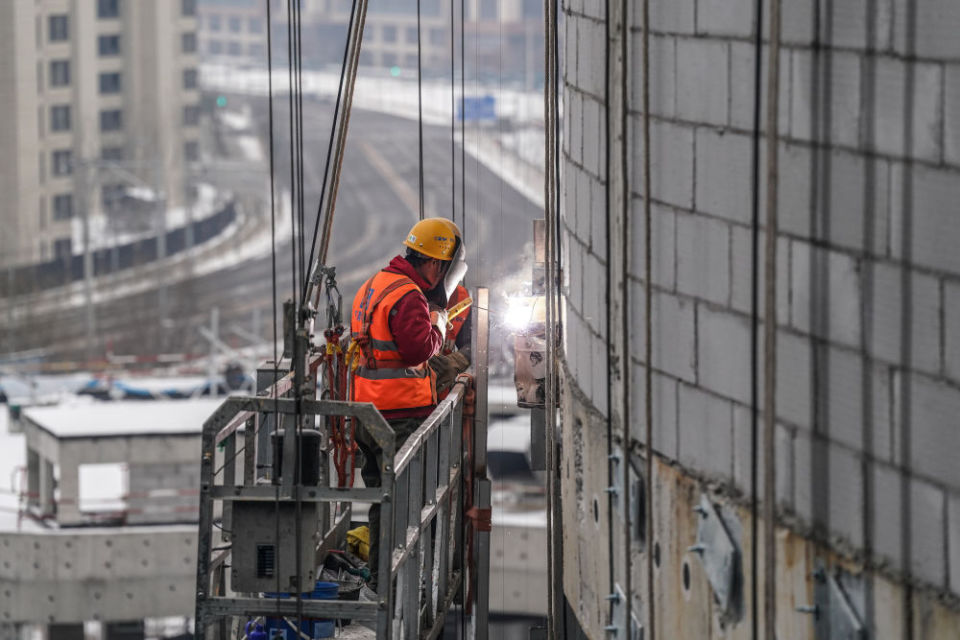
205,525
482,487
229,480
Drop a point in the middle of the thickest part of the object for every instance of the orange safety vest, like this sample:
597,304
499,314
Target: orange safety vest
459,295
382,378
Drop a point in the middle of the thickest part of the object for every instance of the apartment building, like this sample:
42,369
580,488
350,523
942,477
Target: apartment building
234,30
98,96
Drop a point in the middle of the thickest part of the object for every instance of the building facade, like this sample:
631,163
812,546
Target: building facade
867,322
99,97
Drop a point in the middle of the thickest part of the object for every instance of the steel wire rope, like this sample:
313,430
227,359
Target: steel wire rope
463,232
327,219
293,172
755,320
293,57
463,122
648,316
420,103
273,276
299,74
453,118
770,329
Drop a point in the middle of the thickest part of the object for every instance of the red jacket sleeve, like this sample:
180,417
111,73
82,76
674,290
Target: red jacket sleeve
417,339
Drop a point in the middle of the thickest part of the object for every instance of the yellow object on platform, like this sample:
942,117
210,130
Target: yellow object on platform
358,541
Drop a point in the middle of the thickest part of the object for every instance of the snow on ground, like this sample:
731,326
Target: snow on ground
249,147
209,201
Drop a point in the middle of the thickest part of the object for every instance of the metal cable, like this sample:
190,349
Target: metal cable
273,263
770,329
463,122
453,120
420,102
293,172
328,224
299,75
350,82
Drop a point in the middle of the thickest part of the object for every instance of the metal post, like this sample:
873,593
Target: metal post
482,487
215,335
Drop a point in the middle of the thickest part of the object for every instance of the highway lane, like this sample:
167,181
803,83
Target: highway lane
381,163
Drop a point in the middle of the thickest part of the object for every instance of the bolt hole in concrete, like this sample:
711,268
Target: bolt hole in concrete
656,554
596,510
686,577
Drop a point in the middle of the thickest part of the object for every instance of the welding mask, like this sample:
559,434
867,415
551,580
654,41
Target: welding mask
456,271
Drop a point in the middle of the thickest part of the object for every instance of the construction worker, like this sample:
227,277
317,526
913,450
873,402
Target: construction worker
398,333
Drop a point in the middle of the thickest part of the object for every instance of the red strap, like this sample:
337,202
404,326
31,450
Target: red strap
480,518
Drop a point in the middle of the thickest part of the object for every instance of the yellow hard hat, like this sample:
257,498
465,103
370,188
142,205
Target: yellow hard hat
434,237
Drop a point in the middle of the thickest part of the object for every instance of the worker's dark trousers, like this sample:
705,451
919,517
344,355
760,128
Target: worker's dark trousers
371,478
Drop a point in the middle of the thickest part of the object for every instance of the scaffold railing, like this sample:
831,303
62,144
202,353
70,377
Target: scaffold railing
422,518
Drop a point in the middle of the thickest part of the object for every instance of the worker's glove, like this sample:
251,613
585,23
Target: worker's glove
438,318
448,368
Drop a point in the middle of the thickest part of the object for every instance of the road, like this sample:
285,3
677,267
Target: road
377,204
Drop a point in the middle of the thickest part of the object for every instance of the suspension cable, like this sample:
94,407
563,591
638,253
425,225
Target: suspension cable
327,225
273,267
648,320
293,171
755,325
770,329
420,101
453,120
463,121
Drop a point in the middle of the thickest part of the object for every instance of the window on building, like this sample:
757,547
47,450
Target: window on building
189,78
62,162
532,8
188,7
188,42
255,25
191,151
110,82
111,120
256,50
59,73
191,115
63,206
234,49
235,23
112,154
60,117
58,28
215,47
389,33
411,34
108,45
108,8
214,22
410,61
62,248
388,59
438,36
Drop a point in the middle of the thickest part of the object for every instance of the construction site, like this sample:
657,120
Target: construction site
545,319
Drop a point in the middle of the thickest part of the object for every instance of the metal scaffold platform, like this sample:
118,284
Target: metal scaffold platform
265,536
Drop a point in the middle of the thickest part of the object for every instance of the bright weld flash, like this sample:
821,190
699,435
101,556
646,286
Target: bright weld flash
519,313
